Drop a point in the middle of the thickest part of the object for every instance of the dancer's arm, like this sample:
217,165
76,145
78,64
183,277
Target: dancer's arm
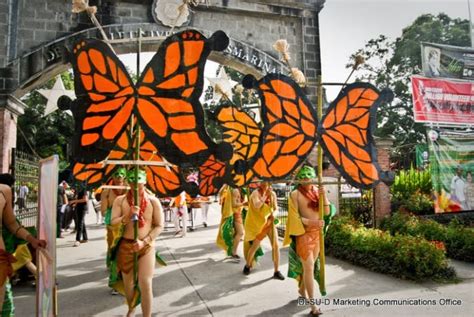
10,222
104,202
117,214
157,224
236,199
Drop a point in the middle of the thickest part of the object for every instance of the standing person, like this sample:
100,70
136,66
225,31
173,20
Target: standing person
231,228
80,205
22,195
96,205
180,210
61,204
260,223
205,201
469,191
458,185
150,225
8,219
107,198
302,231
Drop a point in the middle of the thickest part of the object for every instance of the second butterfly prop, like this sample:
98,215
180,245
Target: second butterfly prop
291,130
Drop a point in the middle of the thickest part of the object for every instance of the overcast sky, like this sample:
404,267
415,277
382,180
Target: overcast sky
346,25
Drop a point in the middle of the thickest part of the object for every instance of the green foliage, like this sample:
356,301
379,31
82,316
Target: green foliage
45,135
403,256
391,64
459,240
419,204
411,191
359,209
407,182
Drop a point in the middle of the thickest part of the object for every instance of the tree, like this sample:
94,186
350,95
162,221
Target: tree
391,64
239,100
45,135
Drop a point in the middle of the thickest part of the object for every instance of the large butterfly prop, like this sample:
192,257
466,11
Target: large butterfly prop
165,103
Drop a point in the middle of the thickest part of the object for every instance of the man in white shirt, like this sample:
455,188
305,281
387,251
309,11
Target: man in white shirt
457,188
22,194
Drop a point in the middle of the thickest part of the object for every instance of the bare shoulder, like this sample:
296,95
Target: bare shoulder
6,190
119,199
154,200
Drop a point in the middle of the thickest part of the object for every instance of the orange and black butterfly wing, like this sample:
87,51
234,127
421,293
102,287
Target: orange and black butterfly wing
105,100
169,109
211,176
242,132
164,180
346,134
289,126
91,175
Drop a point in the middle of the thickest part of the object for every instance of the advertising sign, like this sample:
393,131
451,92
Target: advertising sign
443,101
447,61
452,169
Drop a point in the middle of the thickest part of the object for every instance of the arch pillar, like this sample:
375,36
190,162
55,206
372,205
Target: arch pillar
382,196
10,108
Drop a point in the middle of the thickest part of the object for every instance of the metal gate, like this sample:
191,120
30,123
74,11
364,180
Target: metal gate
25,170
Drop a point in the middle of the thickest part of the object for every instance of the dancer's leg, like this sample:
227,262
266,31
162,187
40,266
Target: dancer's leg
146,265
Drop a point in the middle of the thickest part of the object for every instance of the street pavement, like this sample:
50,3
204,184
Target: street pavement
200,280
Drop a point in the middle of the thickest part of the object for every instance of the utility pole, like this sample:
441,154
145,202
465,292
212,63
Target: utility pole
470,22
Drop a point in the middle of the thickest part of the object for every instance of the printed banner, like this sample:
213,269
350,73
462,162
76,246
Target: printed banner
447,61
421,155
48,190
442,101
452,169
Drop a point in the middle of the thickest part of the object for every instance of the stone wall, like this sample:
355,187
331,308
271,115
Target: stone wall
35,23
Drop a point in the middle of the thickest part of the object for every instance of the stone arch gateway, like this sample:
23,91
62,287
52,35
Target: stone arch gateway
36,34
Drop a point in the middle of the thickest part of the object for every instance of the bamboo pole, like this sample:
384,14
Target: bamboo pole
136,196
322,258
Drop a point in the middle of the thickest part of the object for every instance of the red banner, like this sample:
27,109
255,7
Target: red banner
443,101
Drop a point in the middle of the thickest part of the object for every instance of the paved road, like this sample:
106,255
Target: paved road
200,281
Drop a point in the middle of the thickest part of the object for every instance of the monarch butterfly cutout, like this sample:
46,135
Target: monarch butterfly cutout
243,133
346,134
289,126
165,100
290,130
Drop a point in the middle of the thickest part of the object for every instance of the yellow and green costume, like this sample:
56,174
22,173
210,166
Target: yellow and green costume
225,236
257,224
112,231
15,256
295,228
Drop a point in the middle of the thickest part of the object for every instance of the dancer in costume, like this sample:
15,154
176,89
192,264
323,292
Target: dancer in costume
180,210
302,231
124,247
204,204
107,199
260,223
7,219
231,228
